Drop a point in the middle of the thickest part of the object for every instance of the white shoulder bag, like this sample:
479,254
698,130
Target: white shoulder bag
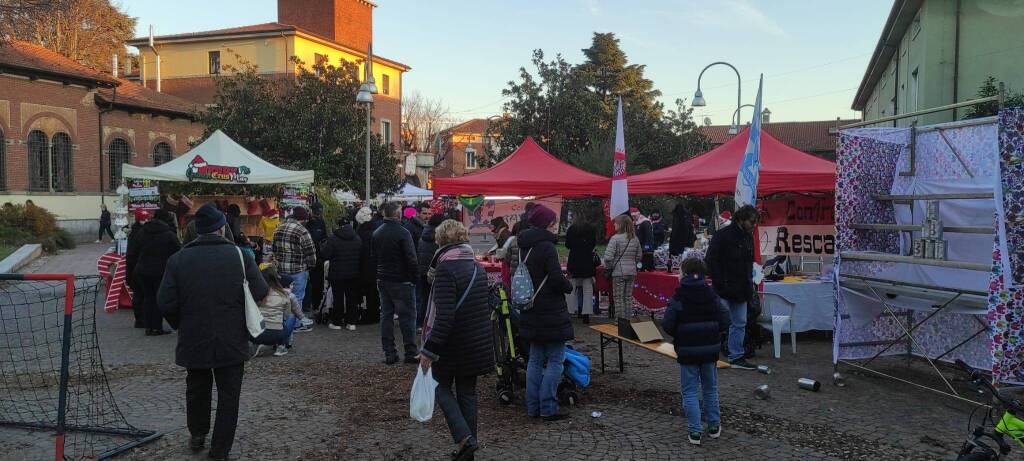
253,317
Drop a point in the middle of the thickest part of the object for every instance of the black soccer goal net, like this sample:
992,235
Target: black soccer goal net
52,381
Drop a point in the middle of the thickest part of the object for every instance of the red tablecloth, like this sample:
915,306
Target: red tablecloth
119,296
652,290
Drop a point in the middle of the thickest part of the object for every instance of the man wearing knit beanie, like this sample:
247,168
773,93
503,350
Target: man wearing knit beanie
201,297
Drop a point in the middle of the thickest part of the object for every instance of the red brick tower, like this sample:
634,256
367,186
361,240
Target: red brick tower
348,22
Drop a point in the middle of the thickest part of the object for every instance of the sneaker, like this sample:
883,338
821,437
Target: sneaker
256,351
281,350
351,327
742,364
334,327
306,321
303,328
412,359
714,430
555,417
391,360
693,438
197,444
98,241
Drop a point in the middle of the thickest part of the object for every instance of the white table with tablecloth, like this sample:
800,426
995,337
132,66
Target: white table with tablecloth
814,299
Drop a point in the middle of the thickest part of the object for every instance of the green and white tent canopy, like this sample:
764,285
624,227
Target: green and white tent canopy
218,160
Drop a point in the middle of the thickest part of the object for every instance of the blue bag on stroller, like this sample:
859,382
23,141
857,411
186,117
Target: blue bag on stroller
577,367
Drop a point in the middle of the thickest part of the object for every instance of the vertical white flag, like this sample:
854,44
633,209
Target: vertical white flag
750,169
620,193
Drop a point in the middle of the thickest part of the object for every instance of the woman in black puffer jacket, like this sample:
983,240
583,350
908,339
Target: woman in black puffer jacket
546,325
344,251
458,340
156,245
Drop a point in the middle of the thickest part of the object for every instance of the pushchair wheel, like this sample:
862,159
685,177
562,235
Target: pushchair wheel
505,396
572,398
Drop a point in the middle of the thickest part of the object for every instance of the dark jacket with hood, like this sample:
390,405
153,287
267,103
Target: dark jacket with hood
344,250
201,297
696,320
460,341
425,252
317,229
395,253
156,244
131,257
682,231
580,240
730,259
548,321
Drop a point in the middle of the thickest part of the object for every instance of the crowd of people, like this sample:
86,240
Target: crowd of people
416,268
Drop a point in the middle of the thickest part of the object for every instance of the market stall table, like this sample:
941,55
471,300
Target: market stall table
814,302
609,333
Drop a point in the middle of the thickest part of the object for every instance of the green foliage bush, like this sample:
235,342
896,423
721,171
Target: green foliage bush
21,224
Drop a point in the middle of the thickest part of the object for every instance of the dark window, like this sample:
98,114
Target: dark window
161,154
3,162
118,154
63,172
215,62
385,131
319,63
38,161
385,84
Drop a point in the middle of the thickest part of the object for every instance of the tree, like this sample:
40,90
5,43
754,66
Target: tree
309,122
570,110
87,31
988,89
422,119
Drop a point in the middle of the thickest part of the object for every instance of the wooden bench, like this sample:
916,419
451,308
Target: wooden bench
609,333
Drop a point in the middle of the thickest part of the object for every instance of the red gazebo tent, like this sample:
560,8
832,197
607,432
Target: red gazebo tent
783,169
530,170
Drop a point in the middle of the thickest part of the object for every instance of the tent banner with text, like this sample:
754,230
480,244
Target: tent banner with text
798,225
479,220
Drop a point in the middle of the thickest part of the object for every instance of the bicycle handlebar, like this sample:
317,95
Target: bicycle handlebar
978,378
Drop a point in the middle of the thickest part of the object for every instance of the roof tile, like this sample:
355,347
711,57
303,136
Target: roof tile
17,54
814,136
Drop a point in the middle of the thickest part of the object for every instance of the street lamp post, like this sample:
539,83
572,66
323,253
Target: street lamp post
698,97
365,96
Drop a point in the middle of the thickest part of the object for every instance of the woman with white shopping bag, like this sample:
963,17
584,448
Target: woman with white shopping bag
458,342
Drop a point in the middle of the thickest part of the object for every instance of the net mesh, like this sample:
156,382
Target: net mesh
32,328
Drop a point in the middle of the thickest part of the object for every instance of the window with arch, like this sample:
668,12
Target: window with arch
118,153
38,161
3,161
62,171
161,153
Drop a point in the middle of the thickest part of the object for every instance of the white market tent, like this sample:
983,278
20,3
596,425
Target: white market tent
409,192
218,160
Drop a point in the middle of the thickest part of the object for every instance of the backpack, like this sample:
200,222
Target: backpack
523,293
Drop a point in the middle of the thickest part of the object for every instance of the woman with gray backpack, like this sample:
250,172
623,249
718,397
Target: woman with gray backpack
544,321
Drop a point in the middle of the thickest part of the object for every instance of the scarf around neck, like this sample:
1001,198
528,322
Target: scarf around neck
453,252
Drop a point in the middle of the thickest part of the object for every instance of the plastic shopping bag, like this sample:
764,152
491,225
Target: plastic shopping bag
421,399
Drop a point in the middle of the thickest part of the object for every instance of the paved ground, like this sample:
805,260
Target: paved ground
331,398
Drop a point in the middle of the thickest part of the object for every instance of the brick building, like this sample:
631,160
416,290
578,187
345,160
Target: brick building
815,137
312,31
464,149
66,129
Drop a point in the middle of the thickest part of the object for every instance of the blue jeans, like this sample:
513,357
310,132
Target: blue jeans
543,373
397,297
299,280
282,337
700,378
737,326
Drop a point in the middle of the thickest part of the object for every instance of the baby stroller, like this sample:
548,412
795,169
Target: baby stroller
511,355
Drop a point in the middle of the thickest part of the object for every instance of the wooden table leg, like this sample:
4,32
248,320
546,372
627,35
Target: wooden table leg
602,352
621,367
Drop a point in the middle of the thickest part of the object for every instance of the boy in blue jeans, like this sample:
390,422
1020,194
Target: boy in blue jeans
696,321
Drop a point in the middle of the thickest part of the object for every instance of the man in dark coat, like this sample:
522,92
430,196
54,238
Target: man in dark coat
368,272
156,245
343,249
131,258
397,273
201,296
730,259
424,255
547,325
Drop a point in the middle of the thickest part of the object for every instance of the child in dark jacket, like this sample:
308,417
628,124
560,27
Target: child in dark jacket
696,322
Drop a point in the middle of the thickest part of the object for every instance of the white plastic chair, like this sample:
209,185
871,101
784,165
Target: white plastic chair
778,324
811,261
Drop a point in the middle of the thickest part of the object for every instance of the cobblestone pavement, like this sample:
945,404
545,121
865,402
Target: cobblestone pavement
331,398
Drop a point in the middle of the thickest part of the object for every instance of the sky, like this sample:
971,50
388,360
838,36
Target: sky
812,53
